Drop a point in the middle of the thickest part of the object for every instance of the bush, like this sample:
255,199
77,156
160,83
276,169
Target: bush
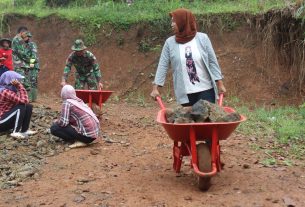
19,3
80,3
59,3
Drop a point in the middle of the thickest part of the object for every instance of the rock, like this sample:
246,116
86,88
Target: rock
288,202
216,113
26,171
188,198
246,166
275,201
82,181
79,199
202,111
94,151
27,153
41,143
178,115
13,183
229,117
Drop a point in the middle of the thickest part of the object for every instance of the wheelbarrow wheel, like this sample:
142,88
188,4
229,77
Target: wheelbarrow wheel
204,165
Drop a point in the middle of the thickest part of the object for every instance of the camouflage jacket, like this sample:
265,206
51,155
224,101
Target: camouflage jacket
21,56
84,65
32,51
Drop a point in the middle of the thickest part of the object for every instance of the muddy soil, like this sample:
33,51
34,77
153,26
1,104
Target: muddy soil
132,166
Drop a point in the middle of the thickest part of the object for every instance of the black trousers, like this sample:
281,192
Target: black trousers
208,95
69,134
3,69
18,118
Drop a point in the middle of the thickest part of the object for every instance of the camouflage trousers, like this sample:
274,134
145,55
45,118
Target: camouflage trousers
30,81
89,80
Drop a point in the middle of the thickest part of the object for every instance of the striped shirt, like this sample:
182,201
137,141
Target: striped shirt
79,120
9,99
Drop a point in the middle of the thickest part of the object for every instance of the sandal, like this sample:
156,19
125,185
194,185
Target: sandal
77,145
18,135
30,132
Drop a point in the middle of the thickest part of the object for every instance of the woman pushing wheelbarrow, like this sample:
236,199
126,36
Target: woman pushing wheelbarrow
196,76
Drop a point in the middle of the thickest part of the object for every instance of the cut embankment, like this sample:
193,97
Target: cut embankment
261,56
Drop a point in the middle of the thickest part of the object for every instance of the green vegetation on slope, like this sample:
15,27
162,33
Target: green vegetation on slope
279,131
142,10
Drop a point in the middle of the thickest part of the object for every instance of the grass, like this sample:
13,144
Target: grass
279,131
142,10
91,19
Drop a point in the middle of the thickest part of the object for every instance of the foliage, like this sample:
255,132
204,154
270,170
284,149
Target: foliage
103,11
285,126
58,3
91,15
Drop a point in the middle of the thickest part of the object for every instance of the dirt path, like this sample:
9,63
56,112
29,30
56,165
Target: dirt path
136,171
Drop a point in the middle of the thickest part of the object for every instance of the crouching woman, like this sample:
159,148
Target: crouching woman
77,123
15,110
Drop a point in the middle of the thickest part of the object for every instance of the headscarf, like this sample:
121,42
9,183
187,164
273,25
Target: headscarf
186,23
68,94
6,79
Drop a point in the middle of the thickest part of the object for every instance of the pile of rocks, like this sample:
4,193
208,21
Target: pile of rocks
202,111
20,158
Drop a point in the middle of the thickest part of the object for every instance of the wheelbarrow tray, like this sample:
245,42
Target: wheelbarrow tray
98,96
181,132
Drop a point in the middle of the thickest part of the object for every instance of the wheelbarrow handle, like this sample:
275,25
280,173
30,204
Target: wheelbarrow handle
220,100
160,102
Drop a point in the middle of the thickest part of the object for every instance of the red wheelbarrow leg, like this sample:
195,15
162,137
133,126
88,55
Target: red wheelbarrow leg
218,162
100,101
193,145
215,152
179,152
90,100
177,157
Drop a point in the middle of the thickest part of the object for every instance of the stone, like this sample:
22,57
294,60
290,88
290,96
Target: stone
79,199
29,153
41,143
288,202
246,166
202,111
188,198
178,115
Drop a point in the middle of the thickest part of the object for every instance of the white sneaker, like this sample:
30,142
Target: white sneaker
30,132
18,135
77,145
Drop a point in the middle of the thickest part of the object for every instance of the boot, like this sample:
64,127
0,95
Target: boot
33,95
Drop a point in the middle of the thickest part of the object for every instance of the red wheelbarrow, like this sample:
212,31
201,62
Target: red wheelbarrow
94,96
189,141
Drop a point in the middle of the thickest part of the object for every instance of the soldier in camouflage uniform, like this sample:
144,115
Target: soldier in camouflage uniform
87,69
34,68
21,56
26,63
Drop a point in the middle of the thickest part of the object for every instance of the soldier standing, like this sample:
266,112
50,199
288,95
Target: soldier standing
87,69
34,67
21,56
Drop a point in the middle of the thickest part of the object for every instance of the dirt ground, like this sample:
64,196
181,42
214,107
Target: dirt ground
134,169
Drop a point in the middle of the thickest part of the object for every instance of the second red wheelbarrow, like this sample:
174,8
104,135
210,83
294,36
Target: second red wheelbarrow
191,139
94,96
